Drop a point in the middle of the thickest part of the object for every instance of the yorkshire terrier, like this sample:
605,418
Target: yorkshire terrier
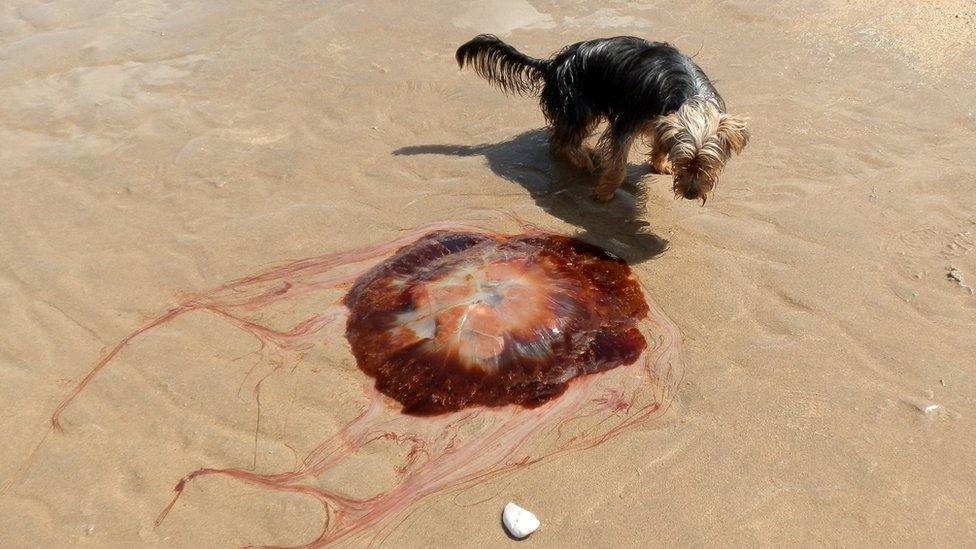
640,88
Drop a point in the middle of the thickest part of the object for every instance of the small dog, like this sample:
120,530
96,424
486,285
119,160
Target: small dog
640,88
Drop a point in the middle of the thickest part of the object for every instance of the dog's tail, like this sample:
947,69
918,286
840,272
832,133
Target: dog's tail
502,65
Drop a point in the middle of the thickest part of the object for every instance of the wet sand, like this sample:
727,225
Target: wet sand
155,148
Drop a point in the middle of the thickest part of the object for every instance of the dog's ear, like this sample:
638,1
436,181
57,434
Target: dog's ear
733,132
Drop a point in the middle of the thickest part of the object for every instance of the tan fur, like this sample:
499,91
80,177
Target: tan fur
660,162
697,141
614,164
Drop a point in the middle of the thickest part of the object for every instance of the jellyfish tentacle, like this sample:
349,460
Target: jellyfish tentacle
279,482
220,302
105,360
344,515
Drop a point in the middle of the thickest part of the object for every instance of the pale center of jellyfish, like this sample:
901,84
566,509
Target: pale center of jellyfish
477,309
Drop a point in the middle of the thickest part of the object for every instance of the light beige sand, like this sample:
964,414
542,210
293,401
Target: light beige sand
150,148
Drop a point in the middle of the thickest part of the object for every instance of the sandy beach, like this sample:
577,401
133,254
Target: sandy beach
824,294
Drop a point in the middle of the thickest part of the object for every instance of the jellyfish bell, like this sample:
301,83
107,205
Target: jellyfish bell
457,320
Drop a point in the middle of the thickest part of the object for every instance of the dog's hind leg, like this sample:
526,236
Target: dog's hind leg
567,138
575,153
616,142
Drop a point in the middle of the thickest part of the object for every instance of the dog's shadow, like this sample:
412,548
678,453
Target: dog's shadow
564,192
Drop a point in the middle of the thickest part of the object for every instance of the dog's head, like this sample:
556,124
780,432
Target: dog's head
699,139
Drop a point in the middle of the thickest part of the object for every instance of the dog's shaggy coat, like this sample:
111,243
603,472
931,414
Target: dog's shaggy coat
639,88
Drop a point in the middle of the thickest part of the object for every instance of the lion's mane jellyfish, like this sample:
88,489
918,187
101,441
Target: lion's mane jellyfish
483,353
460,319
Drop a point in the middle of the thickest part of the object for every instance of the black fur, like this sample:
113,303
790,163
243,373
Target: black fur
502,65
626,80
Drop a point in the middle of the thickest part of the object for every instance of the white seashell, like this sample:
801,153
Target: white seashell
519,522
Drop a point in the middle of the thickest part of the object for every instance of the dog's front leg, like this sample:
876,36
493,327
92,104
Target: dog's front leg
616,145
660,164
659,161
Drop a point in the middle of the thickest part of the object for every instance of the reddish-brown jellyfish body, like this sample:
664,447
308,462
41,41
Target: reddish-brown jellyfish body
460,319
483,352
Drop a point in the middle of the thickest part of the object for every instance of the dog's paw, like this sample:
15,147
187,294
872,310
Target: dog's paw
602,196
